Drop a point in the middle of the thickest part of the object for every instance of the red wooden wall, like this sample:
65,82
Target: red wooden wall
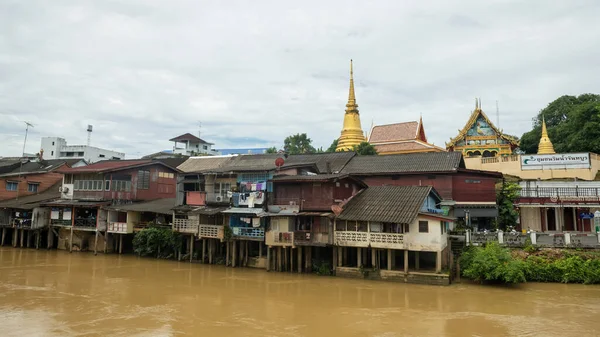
45,180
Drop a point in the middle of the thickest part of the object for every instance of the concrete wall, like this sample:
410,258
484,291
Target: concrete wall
433,241
56,148
511,165
82,241
531,218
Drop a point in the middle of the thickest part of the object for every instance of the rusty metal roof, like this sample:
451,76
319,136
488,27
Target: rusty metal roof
393,204
160,206
405,163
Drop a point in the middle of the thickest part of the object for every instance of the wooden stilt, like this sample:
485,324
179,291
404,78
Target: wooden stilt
211,245
292,259
406,261
96,244
299,253
22,237
247,253
310,258
15,237
268,258
373,258
335,257
278,258
358,257
389,259
227,244
28,241
260,244
346,256
3,236
417,262
233,255
121,243
191,247
307,266
203,250
105,242
49,239
71,241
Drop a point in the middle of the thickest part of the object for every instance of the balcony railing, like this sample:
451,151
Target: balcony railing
518,239
365,239
211,231
189,226
60,222
21,223
554,192
254,233
307,238
119,227
85,223
276,238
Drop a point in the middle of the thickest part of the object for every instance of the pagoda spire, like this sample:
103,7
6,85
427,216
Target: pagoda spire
545,146
351,106
352,133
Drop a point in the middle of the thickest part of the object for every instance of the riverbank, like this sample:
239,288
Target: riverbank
493,263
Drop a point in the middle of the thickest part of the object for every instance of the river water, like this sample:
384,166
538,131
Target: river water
54,293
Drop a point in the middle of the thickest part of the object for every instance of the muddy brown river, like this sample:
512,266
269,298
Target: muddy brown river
54,293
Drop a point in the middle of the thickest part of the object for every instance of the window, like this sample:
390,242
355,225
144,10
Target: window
52,143
79,154
423,227
166,175
52,152
121,185
205,147
32,187
101,156
143,182
337,184
12,185
107,185
222,189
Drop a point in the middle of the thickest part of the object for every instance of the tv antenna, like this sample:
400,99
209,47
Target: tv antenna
199,128
26,131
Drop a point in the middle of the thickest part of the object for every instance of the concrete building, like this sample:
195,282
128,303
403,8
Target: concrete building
192,146
57,148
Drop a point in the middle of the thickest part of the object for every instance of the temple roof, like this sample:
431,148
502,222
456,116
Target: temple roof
408,145
394,132
474,116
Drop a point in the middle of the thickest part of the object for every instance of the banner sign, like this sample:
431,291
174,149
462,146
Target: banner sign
555,161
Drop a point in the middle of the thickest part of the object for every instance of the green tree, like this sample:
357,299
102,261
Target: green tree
271,150
505,198
333,145
298,144
573,124
365,149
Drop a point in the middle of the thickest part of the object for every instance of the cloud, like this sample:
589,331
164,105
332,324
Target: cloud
252,73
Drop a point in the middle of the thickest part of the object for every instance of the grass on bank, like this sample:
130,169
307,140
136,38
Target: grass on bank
495,264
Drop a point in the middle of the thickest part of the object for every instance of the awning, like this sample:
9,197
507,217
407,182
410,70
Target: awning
208,210
76,203
238,210
476,211
159,206
329,214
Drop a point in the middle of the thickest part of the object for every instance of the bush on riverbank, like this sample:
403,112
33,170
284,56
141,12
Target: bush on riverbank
493,263
158,242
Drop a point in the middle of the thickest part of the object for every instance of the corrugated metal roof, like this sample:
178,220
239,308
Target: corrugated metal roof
392,204
203,164
266,162
32,167
315,177
405,163
113,165
75,203
160,206
32,201
240,210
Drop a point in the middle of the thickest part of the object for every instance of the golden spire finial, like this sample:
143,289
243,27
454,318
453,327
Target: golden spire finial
476,103
545,146
351,106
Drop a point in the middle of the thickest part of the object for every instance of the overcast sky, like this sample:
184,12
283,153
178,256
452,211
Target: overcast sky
254,72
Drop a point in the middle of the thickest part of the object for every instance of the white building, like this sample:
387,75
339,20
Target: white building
192,146
57,148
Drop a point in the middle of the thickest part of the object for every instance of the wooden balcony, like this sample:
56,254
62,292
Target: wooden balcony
366,239
188,226
60,222
276,238
120,227
249,233
308,238
210,231
304,204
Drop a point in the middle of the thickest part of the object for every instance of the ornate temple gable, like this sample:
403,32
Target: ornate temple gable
480,135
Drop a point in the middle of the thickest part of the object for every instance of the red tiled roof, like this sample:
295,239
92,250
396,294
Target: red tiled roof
406,146
394,132
106,165
188,137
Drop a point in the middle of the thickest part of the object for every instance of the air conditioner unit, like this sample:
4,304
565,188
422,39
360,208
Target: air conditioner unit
63,189
219,198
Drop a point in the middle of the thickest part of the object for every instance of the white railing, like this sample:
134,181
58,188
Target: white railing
352,239
119,227
211,231
386,240
365,239
186,225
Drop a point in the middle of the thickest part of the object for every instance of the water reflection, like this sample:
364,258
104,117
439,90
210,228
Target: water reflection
55,293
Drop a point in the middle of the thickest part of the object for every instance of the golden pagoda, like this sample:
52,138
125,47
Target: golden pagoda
545,146
352,133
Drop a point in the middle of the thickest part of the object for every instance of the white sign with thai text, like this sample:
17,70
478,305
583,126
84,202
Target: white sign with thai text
555,161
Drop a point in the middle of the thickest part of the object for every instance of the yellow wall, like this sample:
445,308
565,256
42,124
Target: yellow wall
511,165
